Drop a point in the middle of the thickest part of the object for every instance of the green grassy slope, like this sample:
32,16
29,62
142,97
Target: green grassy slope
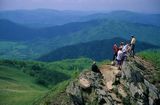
18,88
16,50
25,82
153,56
71,66
57,95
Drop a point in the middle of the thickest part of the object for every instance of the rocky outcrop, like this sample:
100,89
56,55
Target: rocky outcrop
140,91
125,87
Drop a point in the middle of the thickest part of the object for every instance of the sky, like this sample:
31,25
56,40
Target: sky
144,6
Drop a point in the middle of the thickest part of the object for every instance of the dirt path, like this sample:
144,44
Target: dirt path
109,72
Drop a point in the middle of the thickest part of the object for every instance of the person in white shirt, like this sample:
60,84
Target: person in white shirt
133,42
119,58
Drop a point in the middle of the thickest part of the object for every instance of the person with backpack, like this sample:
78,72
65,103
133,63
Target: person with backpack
133,41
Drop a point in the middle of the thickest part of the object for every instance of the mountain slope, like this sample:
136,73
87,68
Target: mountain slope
97,50
18,88
12,31
41,41
132,85
110,29
24,82
91,30
15,32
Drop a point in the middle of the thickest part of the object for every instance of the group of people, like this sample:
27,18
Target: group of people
121,52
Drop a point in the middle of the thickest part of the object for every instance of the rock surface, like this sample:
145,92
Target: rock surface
114,87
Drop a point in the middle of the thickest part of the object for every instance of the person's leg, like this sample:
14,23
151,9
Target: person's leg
133,49
114,56
125,56
119,64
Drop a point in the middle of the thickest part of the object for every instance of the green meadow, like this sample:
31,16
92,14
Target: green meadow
18,88
27,82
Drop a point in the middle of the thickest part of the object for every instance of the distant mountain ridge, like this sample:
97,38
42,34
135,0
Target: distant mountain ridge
71,32
42,17
128,16
46,17
13,31
96,50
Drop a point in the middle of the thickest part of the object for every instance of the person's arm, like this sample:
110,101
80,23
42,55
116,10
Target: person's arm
132,41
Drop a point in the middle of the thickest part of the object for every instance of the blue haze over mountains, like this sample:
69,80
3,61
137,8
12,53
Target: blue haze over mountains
43,31
47,17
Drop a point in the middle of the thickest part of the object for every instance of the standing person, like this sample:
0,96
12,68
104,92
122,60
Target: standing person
119,58
125,49
133,41
115,51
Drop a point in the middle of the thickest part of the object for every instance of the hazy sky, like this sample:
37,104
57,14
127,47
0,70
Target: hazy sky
149,6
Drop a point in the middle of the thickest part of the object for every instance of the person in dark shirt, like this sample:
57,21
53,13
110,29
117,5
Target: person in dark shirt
95,68
97,74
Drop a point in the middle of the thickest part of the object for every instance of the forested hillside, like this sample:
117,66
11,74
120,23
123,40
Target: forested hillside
96,50
41,41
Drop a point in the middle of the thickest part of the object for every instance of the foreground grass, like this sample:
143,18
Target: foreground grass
153,56
56,96
28,82
17,88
